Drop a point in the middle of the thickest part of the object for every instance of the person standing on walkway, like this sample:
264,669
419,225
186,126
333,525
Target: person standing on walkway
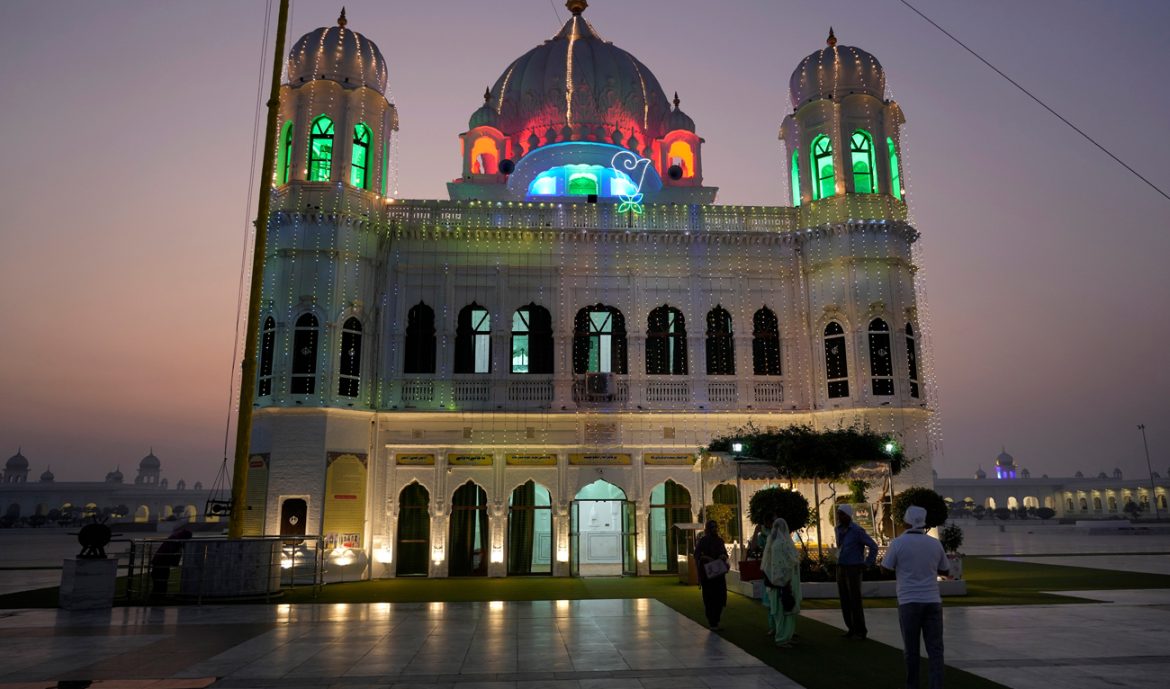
711,558
918,560
852,559
781,565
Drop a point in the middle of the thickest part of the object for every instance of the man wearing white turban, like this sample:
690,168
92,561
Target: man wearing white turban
918,560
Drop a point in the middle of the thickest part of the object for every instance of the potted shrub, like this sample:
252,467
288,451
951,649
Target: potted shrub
951,537
765,505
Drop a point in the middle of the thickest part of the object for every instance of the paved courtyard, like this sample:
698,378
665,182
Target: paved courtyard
585,644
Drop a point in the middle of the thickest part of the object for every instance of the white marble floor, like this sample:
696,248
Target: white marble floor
1119,641
581,644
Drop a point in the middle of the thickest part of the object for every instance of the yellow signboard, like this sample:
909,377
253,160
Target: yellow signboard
478,460
537,460
415,460
345,500
601,459
668,459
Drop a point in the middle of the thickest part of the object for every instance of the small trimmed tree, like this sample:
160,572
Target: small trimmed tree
935,505
1045,512
779,502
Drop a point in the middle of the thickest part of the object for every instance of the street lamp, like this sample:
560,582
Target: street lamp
1150,468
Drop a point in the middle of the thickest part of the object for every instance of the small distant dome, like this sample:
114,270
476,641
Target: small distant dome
47,477
181,485
1117,472
114,476
980,473
486,116
1079,474
835,72
1005,460
337,54
163,483
677,119
149,461
17,462
1102,475
198,485
1024,473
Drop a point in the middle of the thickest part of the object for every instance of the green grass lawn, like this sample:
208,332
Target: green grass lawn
822,660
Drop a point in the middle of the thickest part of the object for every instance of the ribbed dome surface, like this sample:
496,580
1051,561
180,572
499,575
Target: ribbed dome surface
836,71
149,462
340,55
579,81
16,461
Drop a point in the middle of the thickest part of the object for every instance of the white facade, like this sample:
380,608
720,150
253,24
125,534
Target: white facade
351,409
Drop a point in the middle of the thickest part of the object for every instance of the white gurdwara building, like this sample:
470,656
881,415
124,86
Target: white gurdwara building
517,380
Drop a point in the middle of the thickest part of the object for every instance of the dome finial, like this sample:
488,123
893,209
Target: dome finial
577,6
487,94
341,20
832,40
676,100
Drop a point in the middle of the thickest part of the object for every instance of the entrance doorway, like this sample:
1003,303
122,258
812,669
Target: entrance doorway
602,532
293,513
467,543
670,504
530,530
414,531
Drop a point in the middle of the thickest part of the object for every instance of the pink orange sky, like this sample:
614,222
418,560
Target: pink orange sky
124,199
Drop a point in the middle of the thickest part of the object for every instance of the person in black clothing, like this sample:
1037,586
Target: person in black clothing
168,555
709,549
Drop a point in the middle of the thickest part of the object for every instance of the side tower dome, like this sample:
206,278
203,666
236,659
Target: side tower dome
562,112
337,54
843,135
148,470
15,469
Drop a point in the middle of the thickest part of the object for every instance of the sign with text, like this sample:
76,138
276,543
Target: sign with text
668,459
531,460
477,460
415,460
601,459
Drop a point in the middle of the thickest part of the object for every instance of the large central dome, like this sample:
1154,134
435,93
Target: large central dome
576,86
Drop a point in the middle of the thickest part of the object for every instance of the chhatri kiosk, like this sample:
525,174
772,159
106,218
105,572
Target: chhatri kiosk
517,380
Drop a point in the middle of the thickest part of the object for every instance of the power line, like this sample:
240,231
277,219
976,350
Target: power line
1044,105
557,12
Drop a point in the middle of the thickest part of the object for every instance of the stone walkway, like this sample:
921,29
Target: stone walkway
585,644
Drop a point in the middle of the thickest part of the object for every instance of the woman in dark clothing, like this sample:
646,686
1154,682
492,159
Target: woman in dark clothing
711,548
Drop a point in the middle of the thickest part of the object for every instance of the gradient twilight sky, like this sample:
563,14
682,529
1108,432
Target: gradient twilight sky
124,198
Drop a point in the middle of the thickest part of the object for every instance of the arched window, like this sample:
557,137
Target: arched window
359,164
321,149
881,363
582,184
670,504
666,342
267,350
414,531
530,530
895,173
304,364
795,178
385,165
680,154
351,358
824,181
473,340
284,165
765,343
912,360
836,365
599,340
419,354
532,341
862,160
485,156
720,343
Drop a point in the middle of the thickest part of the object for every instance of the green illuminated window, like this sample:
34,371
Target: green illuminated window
796,178
864,170
359,168
532,343
895,174
321,149
582,184
824,182
284,165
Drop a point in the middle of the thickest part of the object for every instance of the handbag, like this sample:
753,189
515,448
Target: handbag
716,568
787,600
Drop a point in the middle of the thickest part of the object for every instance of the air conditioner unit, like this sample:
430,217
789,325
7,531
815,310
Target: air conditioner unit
600,387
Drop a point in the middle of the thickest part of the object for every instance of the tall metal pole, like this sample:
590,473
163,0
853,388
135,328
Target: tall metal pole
248,367
1150,468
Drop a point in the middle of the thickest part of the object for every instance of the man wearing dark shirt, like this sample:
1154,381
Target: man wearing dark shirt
852,559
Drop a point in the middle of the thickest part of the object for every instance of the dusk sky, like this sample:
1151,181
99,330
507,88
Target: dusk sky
124,198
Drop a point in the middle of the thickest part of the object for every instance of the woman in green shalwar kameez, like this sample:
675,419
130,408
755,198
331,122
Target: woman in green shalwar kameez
781,565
